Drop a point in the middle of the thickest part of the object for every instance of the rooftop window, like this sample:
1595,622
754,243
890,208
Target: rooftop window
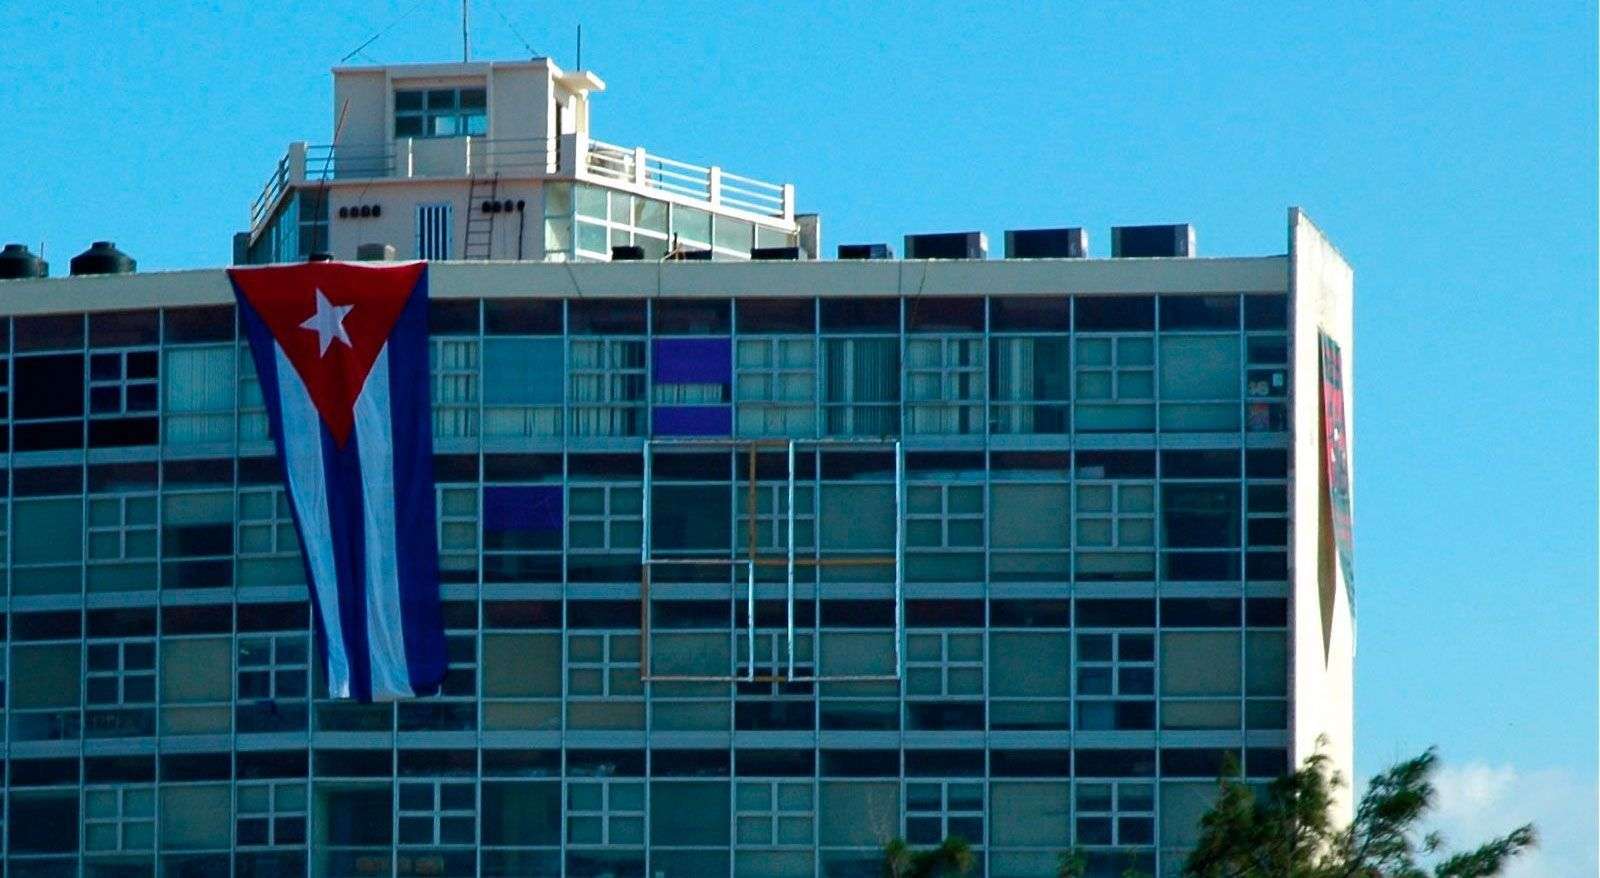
440,112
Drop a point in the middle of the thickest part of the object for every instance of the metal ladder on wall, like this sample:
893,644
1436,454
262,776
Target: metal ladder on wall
479,239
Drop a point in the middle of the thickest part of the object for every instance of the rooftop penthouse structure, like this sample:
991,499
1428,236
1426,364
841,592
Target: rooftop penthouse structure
493,161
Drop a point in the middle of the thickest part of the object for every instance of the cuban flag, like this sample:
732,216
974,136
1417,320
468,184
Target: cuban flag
342,354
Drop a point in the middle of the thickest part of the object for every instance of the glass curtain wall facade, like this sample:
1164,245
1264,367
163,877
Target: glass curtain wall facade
1095,566
584,221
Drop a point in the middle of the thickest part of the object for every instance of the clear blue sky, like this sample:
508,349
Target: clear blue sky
1449,152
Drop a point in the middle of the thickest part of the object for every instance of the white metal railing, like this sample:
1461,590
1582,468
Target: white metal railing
262,206
429,157
402,158
709,184
573,155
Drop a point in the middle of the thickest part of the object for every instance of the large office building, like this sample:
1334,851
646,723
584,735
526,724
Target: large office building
749,565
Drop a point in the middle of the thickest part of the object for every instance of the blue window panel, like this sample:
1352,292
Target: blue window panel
522,508
692,420
693,361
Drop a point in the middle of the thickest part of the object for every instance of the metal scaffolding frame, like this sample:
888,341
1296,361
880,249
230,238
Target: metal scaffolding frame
789,561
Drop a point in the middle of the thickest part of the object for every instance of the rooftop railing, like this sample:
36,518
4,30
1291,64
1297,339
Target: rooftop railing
571,155
712,184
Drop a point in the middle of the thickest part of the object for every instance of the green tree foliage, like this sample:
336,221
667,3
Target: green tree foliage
1289,830
1073,864
953,857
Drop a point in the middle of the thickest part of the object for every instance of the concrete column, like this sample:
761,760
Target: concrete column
296,162
574,154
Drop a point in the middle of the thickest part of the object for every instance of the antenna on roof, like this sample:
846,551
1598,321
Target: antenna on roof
466,42
579,62
385,29
319,220
532,53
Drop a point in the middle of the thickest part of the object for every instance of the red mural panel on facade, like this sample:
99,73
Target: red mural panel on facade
1336,452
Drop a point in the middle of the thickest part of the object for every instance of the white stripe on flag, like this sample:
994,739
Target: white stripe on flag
386,641
308,486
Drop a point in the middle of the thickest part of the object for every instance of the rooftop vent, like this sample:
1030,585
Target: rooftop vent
626,253
775,253
374,252
865,251
1152,241
103,257
948,245
1047,244
17,262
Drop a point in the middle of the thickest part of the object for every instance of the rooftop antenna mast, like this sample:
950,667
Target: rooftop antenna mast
466,42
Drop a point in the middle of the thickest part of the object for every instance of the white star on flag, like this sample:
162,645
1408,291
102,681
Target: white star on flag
328,323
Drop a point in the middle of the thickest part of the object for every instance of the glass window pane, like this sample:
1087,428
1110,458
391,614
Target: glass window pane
1030,516
196,670
1200,663
733,234
37,529
688,813
1029,665
361,814
521,812
1267,662
1030,814
852,814
522,371
692,225
1200,367
1094,352
856,517
196,817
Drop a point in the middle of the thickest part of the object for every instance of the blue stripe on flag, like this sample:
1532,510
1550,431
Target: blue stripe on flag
342,467
411,401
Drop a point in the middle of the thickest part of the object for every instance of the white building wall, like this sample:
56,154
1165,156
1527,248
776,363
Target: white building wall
398,223
1322,622
519,103
360,108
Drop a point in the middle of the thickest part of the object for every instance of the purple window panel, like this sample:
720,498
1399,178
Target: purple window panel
692,420
530,508
692,361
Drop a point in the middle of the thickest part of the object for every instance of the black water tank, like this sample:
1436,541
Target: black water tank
758,254
17,262
947,245
626,253
865,251
1168,240
1070,243
103,257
